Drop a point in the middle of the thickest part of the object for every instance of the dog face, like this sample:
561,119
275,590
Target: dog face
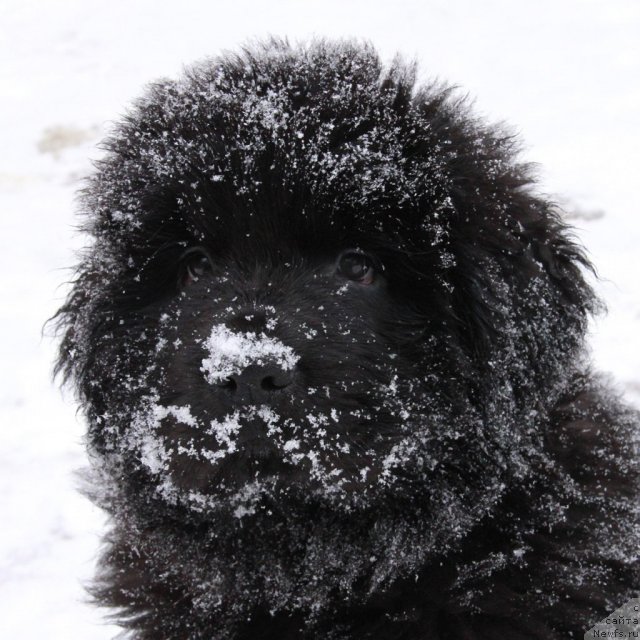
311,284
282,377
292,378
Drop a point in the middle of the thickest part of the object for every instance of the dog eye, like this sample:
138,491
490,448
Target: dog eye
357,266
194,264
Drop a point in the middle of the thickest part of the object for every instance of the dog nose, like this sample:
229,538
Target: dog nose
258,383
251,367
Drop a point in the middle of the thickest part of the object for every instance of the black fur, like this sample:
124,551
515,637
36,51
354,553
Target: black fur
434,460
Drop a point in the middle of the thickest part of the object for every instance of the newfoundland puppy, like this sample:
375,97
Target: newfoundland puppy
329,341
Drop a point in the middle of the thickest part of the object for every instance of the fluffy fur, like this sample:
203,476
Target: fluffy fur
330,346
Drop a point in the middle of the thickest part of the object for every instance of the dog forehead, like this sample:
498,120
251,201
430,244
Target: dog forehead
291,144
309,113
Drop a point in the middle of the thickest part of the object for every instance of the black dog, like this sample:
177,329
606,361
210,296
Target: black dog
330,346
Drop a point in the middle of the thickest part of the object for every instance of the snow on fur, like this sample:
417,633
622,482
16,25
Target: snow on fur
443,429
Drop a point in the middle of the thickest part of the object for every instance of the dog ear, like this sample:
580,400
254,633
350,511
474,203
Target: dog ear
520,273
548,242
474,304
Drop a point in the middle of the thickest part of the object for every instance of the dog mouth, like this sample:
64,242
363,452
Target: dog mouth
257,464
209,454
258,457
326,444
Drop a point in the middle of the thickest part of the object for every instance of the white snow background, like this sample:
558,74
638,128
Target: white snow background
566,74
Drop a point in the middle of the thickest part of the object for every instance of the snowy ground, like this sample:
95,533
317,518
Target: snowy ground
565,73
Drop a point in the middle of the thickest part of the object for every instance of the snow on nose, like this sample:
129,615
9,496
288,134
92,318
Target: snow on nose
232,352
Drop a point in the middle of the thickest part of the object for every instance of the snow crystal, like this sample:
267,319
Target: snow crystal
181,414
292,444
226,429
152,454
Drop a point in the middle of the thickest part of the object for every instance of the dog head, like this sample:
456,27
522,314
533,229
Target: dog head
312,283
